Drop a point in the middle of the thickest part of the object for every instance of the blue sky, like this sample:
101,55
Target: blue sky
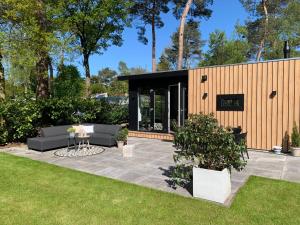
225,15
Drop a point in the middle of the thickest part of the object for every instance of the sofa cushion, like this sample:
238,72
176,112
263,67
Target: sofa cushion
106,129
55,131
47,143
102,139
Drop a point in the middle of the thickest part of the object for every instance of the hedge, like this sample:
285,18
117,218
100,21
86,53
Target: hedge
23,118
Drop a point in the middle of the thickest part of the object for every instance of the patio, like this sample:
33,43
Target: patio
152,159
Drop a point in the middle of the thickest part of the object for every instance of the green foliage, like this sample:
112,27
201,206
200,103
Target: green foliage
283,24
122,135
225,51
202,143
191,52
21,119
68,82
295,136
148,13
71,130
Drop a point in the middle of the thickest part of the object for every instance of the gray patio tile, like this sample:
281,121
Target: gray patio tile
151,160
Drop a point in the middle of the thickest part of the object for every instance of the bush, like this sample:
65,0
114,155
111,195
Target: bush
21,119
203,143
122,135
295,136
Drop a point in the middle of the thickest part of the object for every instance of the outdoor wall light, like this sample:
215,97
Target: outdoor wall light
205,95
273,94
203,78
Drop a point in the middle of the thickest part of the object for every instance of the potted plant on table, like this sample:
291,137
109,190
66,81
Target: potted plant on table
205,156
295,145
122,138
71,132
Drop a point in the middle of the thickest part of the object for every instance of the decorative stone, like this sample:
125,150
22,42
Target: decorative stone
92,150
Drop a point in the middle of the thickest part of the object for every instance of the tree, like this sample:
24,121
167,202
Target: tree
106,76
197,9
149,12
68,82
96,24
271,23
2,79
191,52
164,64
125,70
34,22
223,51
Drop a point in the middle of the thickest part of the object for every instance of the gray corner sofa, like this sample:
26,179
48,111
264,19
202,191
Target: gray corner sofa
57,137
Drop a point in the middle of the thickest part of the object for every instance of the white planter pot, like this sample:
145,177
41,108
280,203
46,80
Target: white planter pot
211,184
128,151
277,149
72,135
120,144
295,151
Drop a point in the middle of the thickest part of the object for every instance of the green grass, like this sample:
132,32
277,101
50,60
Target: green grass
32,192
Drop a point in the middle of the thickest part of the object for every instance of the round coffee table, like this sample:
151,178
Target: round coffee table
83,142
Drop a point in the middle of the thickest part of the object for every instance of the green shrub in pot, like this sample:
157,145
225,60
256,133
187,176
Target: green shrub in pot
202,143
295,149
122,135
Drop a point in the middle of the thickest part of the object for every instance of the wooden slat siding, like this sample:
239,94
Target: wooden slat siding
286,87
265,102
249,105
254,104
160,136
190,82
269,104
291,95
218,90
275,101
280,102
297,92
265,119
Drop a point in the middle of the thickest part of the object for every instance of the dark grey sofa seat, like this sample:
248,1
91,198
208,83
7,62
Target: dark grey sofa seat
57,137
47,143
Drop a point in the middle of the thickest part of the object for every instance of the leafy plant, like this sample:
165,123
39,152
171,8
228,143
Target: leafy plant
122,135
295,136
203,143
71,130
22,118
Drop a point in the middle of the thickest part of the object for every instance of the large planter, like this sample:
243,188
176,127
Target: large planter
120,144
211,184
128,150
295,151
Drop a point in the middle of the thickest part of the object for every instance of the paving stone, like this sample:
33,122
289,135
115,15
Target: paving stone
151,162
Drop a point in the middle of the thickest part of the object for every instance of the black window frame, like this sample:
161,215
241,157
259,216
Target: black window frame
239,97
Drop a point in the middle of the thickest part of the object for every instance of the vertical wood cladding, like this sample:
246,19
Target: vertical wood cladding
265,118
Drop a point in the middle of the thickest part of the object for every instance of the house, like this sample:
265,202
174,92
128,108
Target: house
262,97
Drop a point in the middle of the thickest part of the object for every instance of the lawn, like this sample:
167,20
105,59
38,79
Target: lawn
33,192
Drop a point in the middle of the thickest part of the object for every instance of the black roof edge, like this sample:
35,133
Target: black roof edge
162,74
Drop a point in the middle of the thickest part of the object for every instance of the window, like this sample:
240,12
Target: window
231,102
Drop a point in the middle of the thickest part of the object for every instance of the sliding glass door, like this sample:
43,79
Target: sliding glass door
152,110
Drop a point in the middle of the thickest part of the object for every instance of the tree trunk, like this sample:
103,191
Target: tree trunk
87,74
2,80
51,77
153,45
181,33
262,42
153,41
42,90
